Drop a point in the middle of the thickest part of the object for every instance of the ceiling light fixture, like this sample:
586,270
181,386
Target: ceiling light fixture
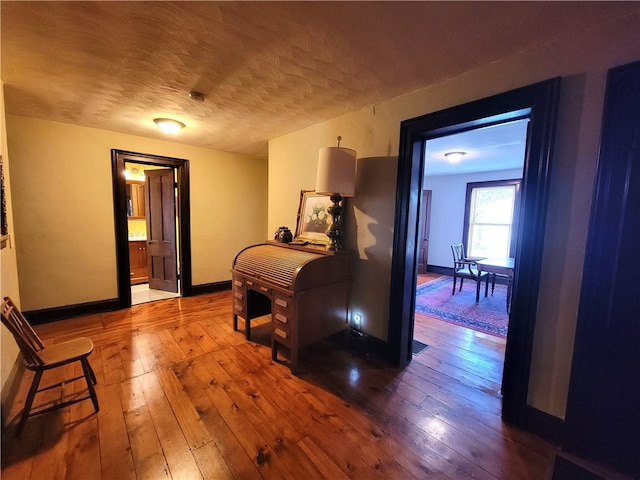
455,157
168,125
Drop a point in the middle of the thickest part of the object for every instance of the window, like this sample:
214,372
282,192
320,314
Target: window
491,218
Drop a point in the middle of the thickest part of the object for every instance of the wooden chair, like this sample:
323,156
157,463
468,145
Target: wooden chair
39,358
465,267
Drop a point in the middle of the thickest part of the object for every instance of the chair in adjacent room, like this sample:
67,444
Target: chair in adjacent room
465,267
39,358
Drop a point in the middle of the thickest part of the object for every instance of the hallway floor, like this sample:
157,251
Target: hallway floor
143,294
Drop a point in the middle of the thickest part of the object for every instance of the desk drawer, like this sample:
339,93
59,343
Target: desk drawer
281,334
282,309
258,287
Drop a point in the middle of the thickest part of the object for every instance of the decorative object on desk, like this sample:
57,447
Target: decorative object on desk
336,177
313,218
283,235
489,316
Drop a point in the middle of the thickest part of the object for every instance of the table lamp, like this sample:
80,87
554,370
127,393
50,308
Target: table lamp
336,177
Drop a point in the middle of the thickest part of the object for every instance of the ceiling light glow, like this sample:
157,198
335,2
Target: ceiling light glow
168,125
455,157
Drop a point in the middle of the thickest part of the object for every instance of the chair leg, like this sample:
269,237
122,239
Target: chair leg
29,402
461,282
453,292
93,375
90,377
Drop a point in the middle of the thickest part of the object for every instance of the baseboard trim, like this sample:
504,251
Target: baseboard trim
545,425
210,287
10,389
365,344
47,315
440,270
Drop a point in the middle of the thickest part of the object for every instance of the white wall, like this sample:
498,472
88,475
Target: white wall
447,210
8,264
63,208
582,61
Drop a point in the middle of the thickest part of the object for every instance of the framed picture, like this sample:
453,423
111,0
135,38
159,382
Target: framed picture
4,233
313,218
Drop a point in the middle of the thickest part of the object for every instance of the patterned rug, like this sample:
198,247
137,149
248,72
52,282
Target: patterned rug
489,315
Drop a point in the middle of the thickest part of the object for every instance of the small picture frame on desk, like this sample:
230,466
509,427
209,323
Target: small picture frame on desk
313,218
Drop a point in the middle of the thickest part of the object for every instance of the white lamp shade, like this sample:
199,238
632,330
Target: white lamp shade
336,171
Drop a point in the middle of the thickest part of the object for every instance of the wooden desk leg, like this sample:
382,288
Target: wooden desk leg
293,366
247,326
486,287
478,282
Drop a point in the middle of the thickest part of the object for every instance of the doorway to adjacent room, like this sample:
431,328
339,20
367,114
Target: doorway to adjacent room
519,104
471,196
151,210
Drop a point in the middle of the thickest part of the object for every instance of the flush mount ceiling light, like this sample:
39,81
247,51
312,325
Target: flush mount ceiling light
455,157
168,125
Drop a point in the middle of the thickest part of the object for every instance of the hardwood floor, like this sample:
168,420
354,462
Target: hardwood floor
184,396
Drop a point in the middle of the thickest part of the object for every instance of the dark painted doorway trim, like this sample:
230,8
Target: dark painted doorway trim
537,102
602,419
118,159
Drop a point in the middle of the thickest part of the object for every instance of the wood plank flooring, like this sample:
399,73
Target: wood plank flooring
183,396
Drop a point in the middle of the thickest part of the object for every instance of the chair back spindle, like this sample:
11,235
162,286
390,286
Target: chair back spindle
26,338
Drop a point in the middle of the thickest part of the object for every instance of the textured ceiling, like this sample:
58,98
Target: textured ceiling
266,68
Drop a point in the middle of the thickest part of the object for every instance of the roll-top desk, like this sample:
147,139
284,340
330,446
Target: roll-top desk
306,290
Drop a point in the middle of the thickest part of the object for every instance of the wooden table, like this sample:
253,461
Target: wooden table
499,266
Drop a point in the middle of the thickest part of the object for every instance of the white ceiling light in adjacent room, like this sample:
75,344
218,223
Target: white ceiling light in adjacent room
168,125
455,157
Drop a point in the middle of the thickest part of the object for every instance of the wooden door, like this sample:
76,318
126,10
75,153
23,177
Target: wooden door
423,241
161,230
602,420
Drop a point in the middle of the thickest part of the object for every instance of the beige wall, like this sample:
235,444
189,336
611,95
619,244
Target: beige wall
63,207
9,276
373,132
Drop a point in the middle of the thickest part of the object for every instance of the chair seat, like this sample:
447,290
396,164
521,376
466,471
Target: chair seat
465,271
64,352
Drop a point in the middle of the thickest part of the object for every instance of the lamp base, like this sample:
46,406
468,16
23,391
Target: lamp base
335,232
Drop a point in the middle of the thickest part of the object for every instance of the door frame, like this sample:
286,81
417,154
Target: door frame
605,383
425,223
538,102
118,159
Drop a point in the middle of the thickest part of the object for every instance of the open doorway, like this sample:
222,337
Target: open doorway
471,197
152,248
152,223
538,103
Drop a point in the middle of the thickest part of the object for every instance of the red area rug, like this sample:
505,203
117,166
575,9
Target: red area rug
489,315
